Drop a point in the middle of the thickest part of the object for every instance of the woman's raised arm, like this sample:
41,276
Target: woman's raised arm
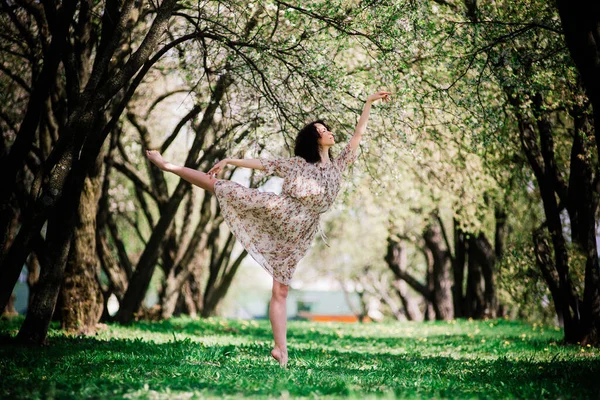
361,126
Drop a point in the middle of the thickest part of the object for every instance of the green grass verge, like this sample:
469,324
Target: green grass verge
218,358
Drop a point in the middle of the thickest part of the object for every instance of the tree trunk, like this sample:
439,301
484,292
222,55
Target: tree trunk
56,249
397,262
583,206
484,256
66,191
581,27
191,307
11,229
361,312
10,310
81,296
458,269
195,282
500,232
411,308
543,257
442,286
172,291
474,297
226,271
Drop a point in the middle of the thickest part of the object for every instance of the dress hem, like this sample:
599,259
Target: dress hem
250,247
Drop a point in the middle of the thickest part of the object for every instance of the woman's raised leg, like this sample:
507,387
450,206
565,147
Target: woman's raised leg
278,317
198,178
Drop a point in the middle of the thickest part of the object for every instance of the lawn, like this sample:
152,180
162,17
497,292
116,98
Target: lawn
219,358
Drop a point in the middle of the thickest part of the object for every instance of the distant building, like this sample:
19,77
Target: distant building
318,305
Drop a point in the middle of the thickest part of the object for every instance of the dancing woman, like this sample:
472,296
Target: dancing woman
277,230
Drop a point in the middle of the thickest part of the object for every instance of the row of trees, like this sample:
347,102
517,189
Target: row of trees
502,84
74,70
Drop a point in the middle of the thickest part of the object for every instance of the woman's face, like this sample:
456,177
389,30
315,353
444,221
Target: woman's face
325,136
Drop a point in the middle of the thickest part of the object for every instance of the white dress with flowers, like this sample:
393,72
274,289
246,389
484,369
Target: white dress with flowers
277,230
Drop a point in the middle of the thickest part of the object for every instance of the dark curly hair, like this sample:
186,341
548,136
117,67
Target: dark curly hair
307,145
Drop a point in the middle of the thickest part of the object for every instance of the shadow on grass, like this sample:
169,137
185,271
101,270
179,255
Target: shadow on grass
88,367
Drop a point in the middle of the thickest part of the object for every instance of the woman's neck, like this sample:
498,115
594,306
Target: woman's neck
324,154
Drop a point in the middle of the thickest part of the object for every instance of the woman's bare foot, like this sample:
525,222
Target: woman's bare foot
156,159
281,356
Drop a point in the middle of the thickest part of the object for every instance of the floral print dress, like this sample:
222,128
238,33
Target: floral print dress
277,230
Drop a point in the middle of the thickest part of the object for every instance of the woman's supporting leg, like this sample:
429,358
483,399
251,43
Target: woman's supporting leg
278,317
198,178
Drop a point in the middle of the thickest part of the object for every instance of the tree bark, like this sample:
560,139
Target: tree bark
81,296
474,301
190,262
484,256
221,273
458,270
581,27
442,286
33,275
543,257
397,262
10,310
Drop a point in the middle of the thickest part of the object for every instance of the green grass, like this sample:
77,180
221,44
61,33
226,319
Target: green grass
218,358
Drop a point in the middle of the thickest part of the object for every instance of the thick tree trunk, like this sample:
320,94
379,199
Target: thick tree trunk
61,225
81,296
33,275
442,286
56,249
483,255
590,310
9,308
581,27
411,307
474,299
541,160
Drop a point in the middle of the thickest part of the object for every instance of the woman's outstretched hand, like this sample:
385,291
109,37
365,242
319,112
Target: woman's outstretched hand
384,96
156,159
214,171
